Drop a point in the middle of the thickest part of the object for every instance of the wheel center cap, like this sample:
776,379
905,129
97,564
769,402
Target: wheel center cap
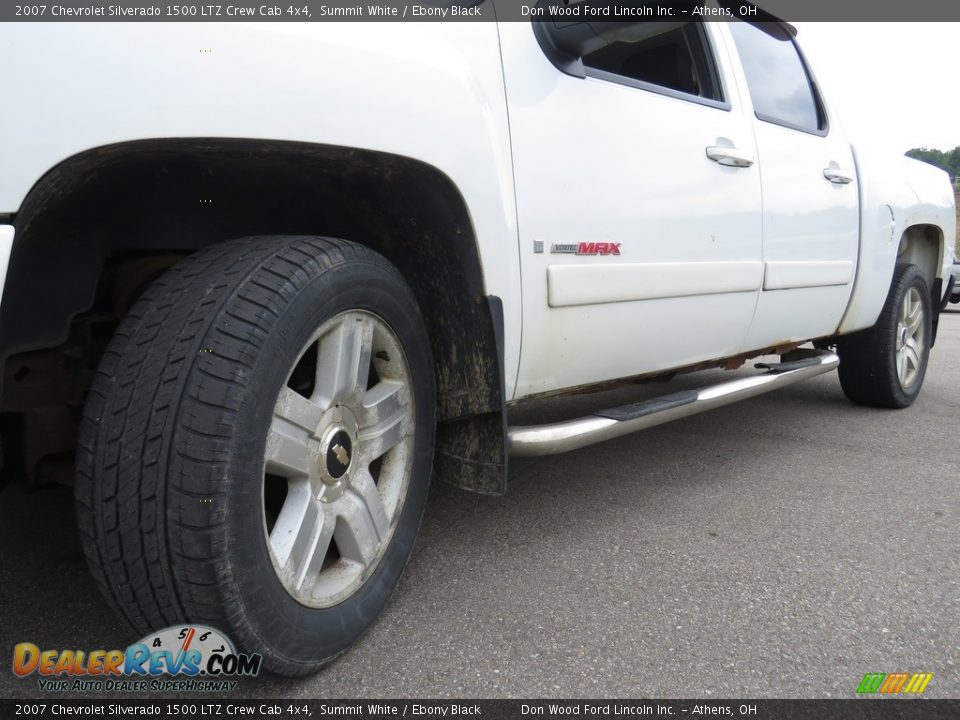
338,454
333,449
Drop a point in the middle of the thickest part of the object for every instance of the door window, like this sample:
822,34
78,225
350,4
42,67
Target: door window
779,83
674,56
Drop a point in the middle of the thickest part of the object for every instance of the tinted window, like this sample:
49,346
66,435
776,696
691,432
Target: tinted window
778,81
669,55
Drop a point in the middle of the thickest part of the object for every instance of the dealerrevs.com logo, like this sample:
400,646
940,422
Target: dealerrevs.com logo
201,658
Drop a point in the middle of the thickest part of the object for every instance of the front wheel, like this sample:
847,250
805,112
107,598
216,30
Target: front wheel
885,365
257,447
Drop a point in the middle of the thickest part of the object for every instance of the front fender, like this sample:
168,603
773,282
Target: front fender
432,92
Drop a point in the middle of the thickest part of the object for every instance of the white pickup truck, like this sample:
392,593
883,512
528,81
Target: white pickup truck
265,281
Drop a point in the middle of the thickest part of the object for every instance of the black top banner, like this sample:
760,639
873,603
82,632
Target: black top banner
854,11
206,707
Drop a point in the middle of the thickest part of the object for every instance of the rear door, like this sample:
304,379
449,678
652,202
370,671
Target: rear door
638,202
810,204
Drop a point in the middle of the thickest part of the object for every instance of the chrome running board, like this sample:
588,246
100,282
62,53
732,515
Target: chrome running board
530,440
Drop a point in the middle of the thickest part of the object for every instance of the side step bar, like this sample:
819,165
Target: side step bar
531,440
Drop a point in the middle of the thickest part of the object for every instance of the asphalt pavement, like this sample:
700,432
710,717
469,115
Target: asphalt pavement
779,547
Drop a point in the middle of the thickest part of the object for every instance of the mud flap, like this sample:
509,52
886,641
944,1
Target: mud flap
936,294
471,452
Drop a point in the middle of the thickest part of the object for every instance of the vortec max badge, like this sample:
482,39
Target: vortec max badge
587,248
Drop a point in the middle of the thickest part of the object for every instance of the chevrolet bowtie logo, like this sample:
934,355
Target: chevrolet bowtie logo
340,452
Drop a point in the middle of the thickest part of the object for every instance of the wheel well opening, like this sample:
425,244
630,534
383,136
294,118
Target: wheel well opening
101,225
922,245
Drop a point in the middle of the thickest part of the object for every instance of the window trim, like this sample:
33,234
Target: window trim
585,71
822,116
617,79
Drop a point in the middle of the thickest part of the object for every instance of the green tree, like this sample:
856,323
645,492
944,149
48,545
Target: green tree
948,161
953,161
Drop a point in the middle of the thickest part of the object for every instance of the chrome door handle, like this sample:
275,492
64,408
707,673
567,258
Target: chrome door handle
838,176
729,156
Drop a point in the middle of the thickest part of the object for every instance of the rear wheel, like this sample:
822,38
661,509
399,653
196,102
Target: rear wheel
885,365
257,447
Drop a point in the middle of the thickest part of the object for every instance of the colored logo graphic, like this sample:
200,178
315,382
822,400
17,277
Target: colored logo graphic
894,683
586,248
180,650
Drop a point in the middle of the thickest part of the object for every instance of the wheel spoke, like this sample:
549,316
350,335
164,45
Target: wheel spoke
914,318
383,403
287,452
911,354
295,528
377,440
902,365
363,484
298,410
358,535
311,562
343,360
383,419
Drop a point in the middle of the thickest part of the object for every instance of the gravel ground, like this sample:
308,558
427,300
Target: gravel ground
780,547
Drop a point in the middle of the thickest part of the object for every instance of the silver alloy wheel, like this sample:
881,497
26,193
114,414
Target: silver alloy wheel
338,459
910,338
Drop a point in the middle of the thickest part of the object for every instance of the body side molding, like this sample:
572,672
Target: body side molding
601,282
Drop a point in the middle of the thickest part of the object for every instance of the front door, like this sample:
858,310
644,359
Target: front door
638,204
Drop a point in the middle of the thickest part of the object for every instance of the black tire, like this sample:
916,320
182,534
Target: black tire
868,359
170,462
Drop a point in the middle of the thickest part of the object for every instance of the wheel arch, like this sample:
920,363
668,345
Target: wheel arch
905,206
103,211
922,245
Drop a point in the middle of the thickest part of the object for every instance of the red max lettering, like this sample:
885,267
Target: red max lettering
601,248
